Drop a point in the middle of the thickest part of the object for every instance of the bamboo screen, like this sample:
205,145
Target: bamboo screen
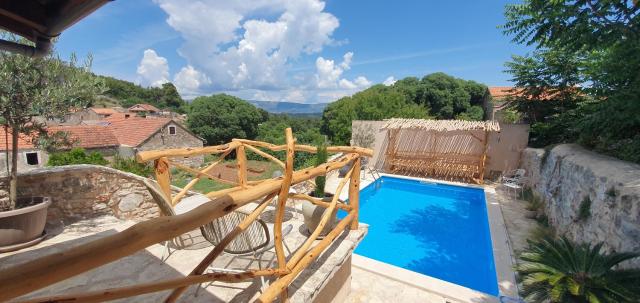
442,149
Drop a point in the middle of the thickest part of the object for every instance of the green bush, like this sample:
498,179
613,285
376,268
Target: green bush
131,166
584,211
321,157
76,156
560,271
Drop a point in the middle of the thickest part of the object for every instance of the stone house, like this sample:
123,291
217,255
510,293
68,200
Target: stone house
119,136
144,109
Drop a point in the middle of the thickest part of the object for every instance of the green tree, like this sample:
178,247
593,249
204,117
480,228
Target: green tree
220,118
560,271
587,62
45,87
170,98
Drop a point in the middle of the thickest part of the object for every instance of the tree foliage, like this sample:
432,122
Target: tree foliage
436,95
76,156
560,271
220,118
129,94
586,63
46,87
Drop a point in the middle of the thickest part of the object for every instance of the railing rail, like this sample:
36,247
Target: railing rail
37,274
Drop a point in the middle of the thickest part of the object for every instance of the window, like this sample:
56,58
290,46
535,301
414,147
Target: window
172,130
32,158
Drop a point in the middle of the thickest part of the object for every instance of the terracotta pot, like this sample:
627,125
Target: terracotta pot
23,226
313,214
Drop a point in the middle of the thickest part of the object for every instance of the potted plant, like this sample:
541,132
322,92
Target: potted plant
49,88
313,213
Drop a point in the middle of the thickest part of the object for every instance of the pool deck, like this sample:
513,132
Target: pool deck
406,285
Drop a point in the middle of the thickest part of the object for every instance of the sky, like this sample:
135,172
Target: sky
306,51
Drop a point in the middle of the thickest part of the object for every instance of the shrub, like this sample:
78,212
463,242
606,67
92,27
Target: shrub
584,211
131,166
560,271
76,156
321,157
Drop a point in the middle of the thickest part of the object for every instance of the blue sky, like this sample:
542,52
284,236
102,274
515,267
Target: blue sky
293,50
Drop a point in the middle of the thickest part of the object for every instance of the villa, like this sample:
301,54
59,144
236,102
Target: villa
451,210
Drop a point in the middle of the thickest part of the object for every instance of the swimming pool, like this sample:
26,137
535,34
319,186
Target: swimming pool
434,229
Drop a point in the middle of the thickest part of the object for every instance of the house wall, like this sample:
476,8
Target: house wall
568,175
182,139
43,157
84,191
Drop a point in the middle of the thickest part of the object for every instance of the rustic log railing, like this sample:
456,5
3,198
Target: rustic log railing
37,274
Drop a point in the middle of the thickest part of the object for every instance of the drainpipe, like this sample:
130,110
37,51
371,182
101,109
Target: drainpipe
42,48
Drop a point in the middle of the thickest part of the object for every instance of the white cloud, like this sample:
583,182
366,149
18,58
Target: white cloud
389,81
153,70
328,74
189,80
249,44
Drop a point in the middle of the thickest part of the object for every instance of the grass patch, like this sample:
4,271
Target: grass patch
180,178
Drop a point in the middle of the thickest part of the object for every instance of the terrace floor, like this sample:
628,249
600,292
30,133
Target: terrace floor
146,265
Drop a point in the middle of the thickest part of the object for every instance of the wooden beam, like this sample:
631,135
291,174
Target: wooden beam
145,156
201,173
195,180
311,149
354,192
282,203
281,284
218,249
241,159
24,278
319,202
150,287
326,216
163,176
266,155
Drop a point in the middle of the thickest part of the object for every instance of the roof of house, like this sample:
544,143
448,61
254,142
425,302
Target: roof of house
89,136
145,107
104,111
134,131
500,92
441,125
24,141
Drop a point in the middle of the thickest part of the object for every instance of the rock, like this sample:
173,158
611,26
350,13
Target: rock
130,202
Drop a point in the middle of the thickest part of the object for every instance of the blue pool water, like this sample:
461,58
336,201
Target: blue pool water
435,229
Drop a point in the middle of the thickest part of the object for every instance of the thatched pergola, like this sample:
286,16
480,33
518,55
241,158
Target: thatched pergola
442,149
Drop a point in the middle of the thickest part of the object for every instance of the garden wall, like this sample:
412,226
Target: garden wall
568,175
84,191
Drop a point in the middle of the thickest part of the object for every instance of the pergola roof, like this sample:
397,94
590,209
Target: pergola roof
441,125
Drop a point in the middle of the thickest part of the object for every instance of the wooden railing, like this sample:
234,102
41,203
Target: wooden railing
37,274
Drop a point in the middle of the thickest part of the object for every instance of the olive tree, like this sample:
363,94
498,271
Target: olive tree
46,87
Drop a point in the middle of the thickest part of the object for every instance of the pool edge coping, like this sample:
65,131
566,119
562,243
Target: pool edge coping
502,253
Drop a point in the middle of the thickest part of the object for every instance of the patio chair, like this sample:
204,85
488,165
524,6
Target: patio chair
515,184
255,240
514,176
164,204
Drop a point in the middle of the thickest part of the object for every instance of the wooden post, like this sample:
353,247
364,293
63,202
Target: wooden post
241,158
282,202
354,192
484,157
163,175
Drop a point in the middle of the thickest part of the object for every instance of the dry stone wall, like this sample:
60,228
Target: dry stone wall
84,191
568,175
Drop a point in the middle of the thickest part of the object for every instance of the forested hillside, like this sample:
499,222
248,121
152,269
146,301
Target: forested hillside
126,94
437,96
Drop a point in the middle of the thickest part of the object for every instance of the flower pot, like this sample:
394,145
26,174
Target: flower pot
313,214
24,226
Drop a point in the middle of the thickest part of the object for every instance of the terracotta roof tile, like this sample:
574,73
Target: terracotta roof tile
147,107
104,111
24,141
89,136
134,130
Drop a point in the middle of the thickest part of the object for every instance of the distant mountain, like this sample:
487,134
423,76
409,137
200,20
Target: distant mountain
289,107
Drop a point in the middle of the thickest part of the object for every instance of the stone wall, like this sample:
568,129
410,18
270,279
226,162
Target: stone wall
181,139
84,191
568,175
